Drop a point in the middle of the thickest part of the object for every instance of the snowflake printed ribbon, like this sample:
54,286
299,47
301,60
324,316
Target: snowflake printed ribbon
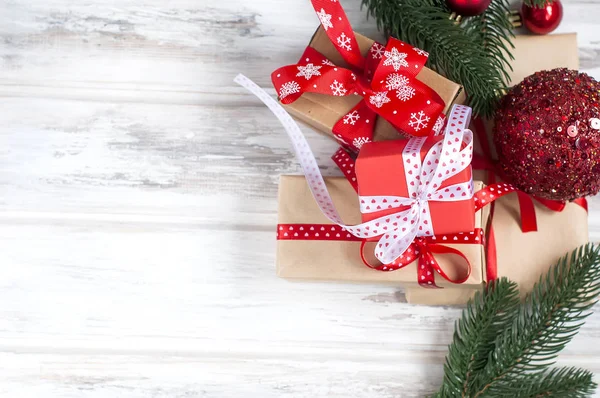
396,231
385,78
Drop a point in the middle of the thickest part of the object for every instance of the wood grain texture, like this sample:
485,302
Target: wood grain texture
129,159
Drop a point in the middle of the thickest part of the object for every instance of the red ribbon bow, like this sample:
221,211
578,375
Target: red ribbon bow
385,78
423,249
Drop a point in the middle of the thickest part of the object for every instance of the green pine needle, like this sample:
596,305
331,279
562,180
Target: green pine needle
537,3
474,53
503,349
561,382
475,335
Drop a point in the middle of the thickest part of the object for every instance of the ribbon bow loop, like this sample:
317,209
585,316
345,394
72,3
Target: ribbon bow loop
424,180
423,250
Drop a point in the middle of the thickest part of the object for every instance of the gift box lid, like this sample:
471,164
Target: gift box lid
380,171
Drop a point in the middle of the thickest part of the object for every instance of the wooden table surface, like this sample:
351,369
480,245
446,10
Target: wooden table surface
137,211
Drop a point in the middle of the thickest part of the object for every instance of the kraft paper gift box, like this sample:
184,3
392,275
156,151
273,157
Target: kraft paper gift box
534,53
322,112
524,257
521,257
340,261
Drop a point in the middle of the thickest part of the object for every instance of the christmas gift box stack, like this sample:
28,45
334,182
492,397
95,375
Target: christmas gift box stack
410,210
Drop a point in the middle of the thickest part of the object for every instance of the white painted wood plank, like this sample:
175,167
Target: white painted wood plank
127,156
136,376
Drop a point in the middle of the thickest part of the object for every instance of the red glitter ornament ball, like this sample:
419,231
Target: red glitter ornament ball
468,8
547,134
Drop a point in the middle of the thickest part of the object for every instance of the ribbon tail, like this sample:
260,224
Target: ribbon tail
527,209
336,25
582,202
554,205
393,245
441,249
342,159
491,254
425,269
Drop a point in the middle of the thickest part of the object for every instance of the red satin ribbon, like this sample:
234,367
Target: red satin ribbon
385,78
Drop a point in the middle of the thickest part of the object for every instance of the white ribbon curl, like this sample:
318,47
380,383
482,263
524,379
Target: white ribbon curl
424,179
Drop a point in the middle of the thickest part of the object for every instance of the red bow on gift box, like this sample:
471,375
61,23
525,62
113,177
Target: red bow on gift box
385,78
422,249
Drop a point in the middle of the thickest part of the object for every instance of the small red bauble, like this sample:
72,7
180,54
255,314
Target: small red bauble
468,8
542,20
547,135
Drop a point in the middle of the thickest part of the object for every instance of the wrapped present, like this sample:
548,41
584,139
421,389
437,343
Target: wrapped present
533,53
404,247
404,233
357,90
387,169
525,257
531,234
310,247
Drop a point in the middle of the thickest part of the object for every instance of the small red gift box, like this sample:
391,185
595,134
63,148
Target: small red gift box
380,171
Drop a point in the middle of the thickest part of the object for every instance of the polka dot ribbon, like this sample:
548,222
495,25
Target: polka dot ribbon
423,250
345,162
395,231
314,232
385,78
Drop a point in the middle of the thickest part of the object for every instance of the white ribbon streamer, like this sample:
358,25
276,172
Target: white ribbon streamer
445,159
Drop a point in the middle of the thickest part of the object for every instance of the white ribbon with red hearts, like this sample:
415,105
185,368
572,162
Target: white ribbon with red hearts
424,179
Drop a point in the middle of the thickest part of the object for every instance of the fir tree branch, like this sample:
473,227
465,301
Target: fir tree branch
475,334
494,30
562,382
474,57
551,315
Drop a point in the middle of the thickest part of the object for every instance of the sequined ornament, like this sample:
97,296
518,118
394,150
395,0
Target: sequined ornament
547,134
